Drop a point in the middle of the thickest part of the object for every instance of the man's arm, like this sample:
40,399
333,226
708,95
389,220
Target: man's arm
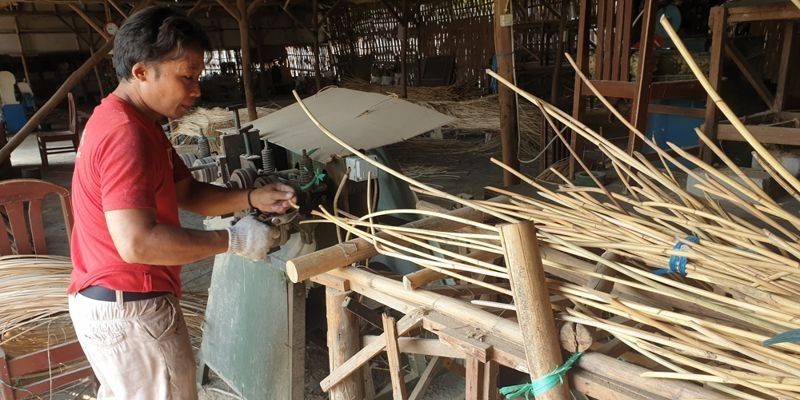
139,239
206,199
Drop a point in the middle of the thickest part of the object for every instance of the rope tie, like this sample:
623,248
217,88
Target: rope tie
543,384
792,336
677,263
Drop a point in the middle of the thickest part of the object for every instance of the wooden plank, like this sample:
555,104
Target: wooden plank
686,89
421,278
767,12
608,39
341,285
33,362
425,379
752,76
675,110
473,379
57,381
783,67
410,321
532,301
428,347
578,100
764,134
393,354
717,23
19,228
504,54
599,51
37,226
612,89
647,58
625,63
490,371
343,343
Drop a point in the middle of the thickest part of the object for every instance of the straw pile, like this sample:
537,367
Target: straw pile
460,91
206,121
34,313
733,276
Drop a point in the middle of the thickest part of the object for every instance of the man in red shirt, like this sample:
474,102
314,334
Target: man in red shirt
127,243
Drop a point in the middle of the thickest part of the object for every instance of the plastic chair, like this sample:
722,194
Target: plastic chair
72,134
21,228
22,232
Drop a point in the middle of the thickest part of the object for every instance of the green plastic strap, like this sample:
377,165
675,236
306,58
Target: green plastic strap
319,176
541,385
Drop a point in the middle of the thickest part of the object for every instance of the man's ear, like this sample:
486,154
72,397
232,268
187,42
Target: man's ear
140,71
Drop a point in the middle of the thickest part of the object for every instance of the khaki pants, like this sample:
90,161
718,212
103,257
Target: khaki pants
137,349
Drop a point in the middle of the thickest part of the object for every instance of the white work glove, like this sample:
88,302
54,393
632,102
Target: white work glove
250,239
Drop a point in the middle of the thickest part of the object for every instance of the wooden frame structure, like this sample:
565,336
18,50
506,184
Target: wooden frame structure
784,13
614,20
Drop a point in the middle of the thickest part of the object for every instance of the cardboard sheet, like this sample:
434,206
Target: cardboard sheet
363,120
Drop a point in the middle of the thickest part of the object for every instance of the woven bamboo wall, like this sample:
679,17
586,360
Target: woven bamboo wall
459,28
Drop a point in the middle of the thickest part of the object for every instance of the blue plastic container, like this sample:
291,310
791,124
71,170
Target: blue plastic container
14,115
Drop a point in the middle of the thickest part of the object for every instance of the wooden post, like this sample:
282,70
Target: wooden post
473,378
404,51
578,101
508,101
549,156
783,67
344,341
532,301
647,55
717,21
22,52
315,32
247,77
490,371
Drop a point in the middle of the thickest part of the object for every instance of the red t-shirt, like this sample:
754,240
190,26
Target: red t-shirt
124,162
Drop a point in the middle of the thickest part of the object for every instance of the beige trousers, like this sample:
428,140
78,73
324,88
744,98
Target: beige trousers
139,350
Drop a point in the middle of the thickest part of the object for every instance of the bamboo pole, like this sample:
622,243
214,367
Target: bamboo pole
533,304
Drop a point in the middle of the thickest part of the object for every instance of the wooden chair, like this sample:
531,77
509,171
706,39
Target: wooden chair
72,134
22,232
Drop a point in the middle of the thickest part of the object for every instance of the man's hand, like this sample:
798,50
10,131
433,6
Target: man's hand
251,239
275,197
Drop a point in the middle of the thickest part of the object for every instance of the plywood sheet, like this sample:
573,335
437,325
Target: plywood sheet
363,120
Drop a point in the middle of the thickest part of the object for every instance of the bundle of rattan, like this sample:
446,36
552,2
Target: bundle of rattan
206,122
455,92
34,312
694,284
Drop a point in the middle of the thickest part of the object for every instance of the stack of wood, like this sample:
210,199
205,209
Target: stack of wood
690,288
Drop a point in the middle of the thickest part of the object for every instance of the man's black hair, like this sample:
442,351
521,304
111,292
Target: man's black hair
155,34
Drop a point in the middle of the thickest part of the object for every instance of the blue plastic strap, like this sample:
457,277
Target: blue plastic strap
792,336
543,384
677,263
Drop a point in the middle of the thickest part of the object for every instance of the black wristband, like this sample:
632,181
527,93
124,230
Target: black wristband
249,201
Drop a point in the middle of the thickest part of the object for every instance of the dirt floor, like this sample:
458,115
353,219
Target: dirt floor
457,169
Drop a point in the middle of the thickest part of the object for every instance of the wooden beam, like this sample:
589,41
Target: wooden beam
764,134
490,371
504,53
118,8
752,76
247,78
767,12
90,21
425,379
194,8
230,9
473,379
578,100
393,354
427,347
535,314
717,22
647,59
22,52
343,343
783,67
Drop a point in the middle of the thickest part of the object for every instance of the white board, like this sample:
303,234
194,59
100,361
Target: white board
363,120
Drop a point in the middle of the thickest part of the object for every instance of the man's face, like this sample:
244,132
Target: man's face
171,87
